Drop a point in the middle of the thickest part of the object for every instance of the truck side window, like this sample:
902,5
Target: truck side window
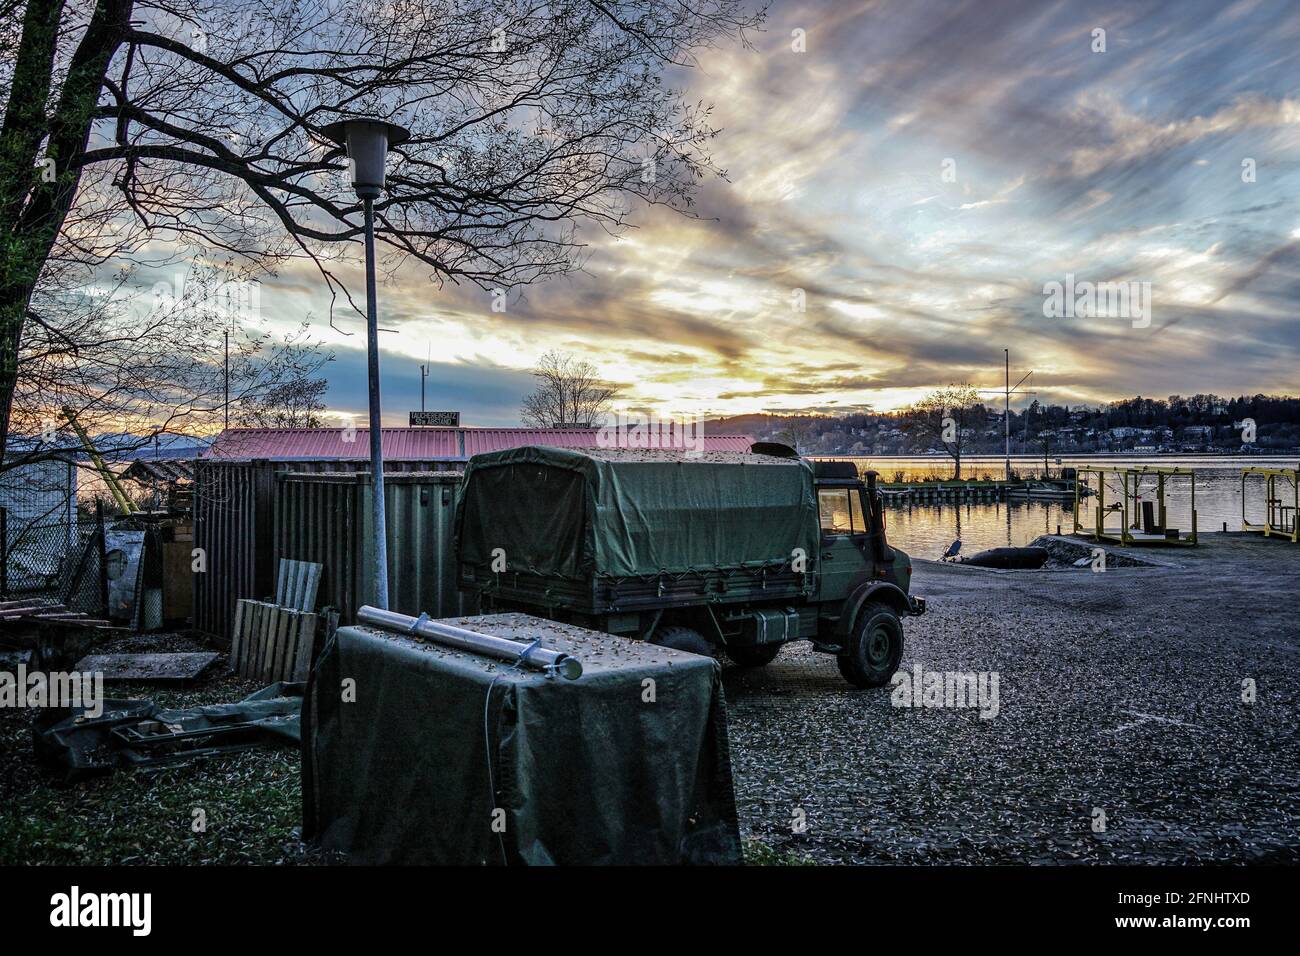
860,523
833,503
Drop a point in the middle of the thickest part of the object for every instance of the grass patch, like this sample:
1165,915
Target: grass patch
251,801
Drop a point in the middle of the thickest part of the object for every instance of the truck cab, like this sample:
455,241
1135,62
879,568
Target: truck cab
863,583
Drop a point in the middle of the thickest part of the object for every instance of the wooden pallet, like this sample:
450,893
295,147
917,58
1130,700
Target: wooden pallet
297,583
271,642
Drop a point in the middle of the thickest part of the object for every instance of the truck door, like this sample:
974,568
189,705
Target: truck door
845,555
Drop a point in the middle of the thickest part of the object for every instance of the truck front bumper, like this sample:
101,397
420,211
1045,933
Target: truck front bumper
917,605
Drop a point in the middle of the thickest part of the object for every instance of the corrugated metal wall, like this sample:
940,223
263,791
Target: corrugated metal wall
326,518
232,500
234,523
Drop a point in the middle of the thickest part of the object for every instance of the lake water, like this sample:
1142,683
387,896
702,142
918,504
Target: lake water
925,530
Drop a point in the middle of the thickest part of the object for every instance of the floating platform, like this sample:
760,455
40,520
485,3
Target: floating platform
1281,502
1137,498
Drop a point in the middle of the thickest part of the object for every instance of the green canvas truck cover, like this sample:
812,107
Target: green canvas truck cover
631,513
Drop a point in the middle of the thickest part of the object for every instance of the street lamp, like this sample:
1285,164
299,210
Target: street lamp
367,141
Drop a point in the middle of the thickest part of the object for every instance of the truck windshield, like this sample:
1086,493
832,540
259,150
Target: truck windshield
841,511
833,503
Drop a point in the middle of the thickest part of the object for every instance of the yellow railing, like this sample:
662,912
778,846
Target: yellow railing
1280,519
1130,481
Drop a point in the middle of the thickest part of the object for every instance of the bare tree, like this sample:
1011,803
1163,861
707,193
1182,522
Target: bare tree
943,416
295,404
201,122
131,368
569,392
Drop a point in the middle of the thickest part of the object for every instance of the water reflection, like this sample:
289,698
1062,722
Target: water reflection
926,529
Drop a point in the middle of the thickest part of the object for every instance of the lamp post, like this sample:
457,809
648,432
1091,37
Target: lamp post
367,141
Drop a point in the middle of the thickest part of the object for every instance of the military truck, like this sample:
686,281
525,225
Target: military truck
738,552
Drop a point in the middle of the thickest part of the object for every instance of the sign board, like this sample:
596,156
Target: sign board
444,419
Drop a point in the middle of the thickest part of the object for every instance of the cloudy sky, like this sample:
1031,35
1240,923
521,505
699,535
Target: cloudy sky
916,175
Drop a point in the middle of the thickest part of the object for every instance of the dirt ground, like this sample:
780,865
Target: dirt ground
1120,703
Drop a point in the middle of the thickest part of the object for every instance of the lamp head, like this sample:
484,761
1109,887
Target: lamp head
367,141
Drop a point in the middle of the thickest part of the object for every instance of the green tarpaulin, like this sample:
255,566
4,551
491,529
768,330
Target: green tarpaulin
417,753
625,513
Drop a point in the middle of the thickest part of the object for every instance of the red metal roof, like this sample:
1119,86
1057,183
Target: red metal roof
415,444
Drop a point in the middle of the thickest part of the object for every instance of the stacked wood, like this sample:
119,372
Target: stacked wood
271,642
33,611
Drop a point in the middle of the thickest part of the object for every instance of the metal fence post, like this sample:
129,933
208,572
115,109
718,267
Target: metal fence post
4,554
103,556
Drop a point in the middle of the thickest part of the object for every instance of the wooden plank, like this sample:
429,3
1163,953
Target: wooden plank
302,655
257,635
287,624
26,609
282,580
278,621
237,636
249,636
253,662
32,604
179,667
284,654
294,593
308,602
273,649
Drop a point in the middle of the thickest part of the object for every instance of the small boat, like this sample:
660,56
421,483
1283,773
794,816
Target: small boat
1045,490
1013,559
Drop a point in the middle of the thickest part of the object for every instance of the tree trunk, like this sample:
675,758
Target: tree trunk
32,206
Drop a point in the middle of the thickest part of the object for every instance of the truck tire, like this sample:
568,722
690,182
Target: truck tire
874,649
682,639
757,655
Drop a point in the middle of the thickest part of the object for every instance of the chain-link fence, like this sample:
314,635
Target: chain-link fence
50,559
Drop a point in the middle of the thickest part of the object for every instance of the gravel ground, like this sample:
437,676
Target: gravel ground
1120,693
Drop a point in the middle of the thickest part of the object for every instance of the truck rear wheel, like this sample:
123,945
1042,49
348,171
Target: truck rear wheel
874,649
756,655
682,639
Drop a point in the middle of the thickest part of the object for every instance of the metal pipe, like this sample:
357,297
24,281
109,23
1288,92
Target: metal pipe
1006,415
532,655
376,433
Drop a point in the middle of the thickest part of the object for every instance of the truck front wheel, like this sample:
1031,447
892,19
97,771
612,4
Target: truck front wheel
874,649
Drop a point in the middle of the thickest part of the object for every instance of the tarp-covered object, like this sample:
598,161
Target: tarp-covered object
587,771
621,513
